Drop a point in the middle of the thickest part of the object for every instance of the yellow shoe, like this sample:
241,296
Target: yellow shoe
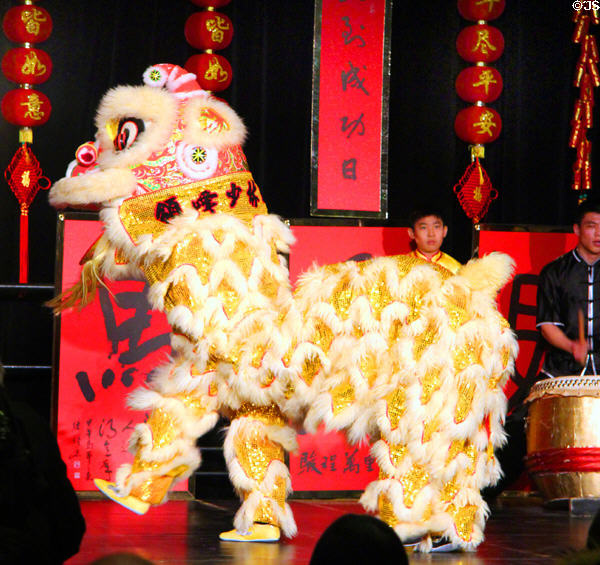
258,532
130,502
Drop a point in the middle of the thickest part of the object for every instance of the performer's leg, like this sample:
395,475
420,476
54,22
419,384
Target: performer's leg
165,445
459,508
410,455
254,450
402,495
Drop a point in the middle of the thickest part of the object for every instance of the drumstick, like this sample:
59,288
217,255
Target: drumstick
581,326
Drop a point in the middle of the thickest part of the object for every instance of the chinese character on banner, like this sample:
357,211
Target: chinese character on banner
325,462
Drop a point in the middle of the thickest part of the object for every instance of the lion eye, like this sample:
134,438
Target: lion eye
128,131
198,155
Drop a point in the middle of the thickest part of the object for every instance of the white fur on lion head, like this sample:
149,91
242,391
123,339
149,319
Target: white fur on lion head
167,133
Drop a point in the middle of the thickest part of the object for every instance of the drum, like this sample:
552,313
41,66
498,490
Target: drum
563,437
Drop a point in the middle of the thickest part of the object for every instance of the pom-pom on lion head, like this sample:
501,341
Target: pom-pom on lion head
163,135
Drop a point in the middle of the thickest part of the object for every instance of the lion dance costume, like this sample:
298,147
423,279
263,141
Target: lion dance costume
393,348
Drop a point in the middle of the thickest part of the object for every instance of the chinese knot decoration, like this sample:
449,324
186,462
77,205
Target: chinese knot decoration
209,31
586,78
26,24
479,84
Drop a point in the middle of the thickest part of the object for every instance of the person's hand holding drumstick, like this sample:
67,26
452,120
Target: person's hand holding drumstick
580,346
576,347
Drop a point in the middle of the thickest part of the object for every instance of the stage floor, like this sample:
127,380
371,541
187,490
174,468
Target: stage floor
186,531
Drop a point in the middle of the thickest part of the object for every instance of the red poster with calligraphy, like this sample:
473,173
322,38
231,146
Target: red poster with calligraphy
325,461
106,350
350,108
531,249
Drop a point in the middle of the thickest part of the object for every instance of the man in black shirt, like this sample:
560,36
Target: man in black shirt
569,289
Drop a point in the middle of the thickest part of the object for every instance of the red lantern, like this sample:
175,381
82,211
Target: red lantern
211,3
480,42
26,107
27,24
26,65
478,124
475,10
208,30
483,84
213,72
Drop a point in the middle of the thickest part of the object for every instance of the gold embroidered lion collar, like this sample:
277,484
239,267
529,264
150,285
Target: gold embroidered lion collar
235,194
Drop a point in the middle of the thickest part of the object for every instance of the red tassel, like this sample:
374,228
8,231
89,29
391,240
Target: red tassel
24,176
24,246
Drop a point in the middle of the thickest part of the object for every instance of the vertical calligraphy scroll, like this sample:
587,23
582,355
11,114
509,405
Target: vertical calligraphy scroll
351,65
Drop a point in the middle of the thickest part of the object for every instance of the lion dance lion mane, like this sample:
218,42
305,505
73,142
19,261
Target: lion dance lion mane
393,349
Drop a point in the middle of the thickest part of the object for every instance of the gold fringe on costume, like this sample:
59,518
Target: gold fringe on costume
83,291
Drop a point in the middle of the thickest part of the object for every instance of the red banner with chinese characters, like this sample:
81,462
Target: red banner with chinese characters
325,461
351,64
106,350
531,250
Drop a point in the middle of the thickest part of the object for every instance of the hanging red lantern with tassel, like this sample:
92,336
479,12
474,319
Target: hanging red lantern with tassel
208,30
25,107
476,10
480,43
479,84
27,24
478,125
26,65
213,72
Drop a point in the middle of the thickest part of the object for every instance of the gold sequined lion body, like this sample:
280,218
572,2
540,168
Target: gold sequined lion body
394,349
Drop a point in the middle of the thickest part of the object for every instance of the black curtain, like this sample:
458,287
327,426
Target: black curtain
97,45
